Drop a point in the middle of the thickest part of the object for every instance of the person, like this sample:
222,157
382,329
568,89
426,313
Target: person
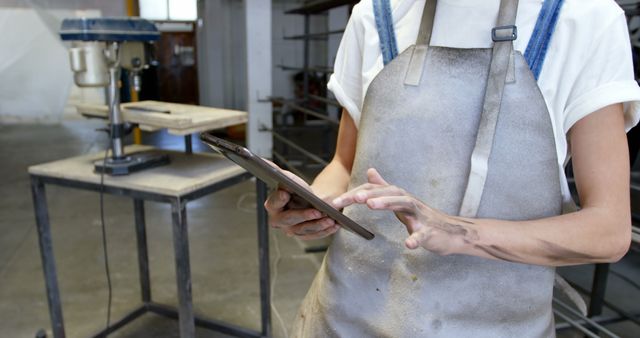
459,118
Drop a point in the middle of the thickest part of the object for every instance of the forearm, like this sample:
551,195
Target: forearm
590,235
332,181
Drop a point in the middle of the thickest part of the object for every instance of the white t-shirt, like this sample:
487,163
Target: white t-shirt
588,64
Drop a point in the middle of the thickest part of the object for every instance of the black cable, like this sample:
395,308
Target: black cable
104,242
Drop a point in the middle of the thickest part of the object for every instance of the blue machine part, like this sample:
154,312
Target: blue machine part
109,29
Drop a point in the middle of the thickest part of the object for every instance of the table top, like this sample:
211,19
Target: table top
186,172
177,118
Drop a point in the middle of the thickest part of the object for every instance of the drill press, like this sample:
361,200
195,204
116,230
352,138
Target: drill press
101,47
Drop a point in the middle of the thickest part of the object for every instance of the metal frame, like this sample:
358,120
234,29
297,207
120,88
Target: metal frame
184,312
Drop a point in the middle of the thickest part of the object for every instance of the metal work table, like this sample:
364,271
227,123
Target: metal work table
186,178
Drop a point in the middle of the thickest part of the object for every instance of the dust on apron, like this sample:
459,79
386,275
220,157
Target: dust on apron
468,132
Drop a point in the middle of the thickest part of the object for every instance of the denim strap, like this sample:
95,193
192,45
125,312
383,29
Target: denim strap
386,33
541,36
536,49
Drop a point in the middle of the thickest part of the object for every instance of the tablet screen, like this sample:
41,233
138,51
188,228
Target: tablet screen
274,178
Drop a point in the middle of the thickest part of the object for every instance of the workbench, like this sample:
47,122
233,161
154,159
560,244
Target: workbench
177,118
187,178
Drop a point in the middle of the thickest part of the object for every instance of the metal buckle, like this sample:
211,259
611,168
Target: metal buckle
513,36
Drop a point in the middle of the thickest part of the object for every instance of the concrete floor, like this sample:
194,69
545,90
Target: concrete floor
222,243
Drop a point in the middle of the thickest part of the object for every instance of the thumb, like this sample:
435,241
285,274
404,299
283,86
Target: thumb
373,176
416,239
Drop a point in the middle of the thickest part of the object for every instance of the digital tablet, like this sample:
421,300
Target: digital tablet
273,177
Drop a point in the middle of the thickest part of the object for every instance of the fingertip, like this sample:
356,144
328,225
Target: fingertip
411,243
314,214
373,176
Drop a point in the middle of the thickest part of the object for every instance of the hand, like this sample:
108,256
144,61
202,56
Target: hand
428,228
285,213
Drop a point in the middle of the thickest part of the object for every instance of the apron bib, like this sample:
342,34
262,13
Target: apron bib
468,132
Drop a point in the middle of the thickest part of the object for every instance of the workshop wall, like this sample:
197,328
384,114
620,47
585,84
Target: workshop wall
106,8
221,49
37,83
221,54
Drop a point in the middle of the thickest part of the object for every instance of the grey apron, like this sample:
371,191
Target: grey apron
468,132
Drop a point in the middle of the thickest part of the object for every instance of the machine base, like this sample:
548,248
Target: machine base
130,163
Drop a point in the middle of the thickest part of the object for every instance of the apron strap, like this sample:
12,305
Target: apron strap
386,33
419,54
426,23
541,36
503,36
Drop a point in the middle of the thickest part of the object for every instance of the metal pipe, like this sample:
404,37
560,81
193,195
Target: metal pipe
316,69
143,252
307,30
313,35
621,312
303,151
46,254
586,319
115,114
598,290
304,110
263,259
188,144
290,166
325,100
183,269
313,113
575,324
602,320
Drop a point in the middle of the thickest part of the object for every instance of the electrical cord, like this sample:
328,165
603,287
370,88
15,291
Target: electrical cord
104,243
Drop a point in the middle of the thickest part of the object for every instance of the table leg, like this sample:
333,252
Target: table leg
263,253
188,144
183,270
143,252
46,253
598,289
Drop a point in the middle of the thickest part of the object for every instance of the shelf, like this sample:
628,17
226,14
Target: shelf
297,107
325,100
316,36
319,6
326,70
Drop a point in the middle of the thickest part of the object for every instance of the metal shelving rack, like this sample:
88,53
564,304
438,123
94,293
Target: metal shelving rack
311,108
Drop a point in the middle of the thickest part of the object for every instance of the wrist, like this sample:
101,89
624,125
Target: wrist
467,235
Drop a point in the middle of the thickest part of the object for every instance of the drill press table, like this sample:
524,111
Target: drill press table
187,178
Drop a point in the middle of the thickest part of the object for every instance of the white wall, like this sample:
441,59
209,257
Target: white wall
106,7
36,82
258,41
221,53
34,67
